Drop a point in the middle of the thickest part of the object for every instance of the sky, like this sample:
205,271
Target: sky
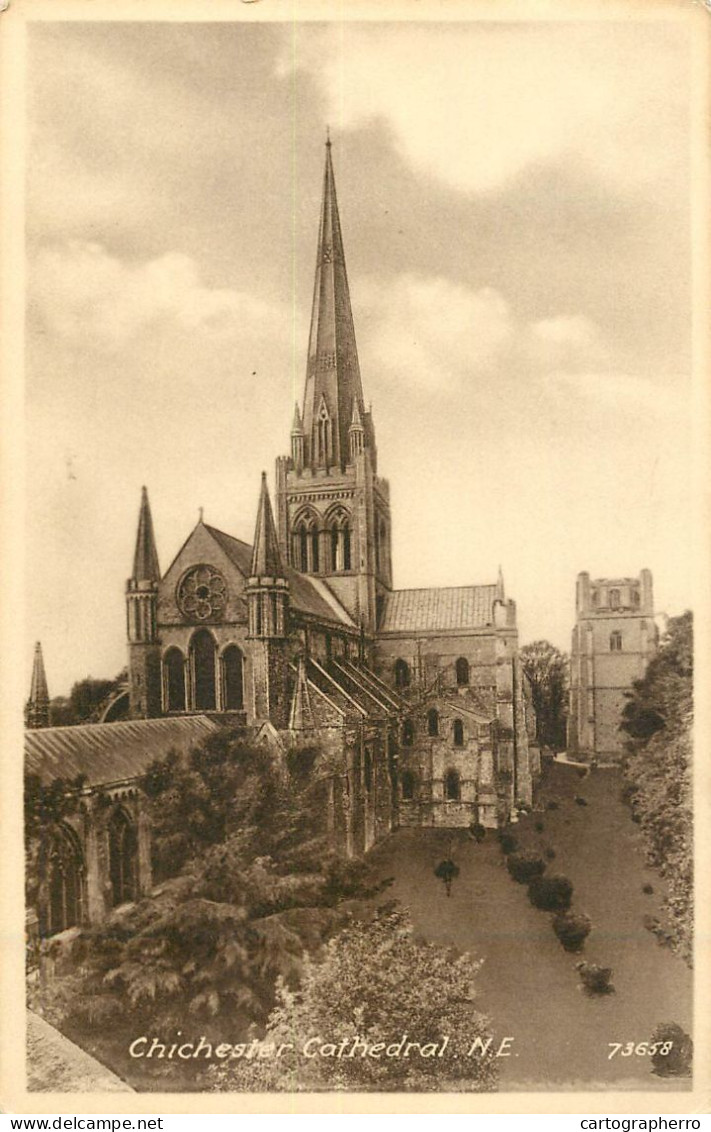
514,201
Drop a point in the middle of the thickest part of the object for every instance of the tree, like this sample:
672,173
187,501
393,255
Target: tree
85,701
373,986
659,719
547,670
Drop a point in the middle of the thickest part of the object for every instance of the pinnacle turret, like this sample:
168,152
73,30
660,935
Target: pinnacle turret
37,709
266,559
145,559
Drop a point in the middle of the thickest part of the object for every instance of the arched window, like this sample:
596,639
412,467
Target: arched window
402,673
65,874
433,722
232,679
458,733
302,545
615,642
635,598
614,599
462,667
346,535
408,733
203,657
452,790
339,541
595,597
407,785
123,858
174,680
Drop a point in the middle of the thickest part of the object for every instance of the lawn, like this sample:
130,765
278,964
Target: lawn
528,983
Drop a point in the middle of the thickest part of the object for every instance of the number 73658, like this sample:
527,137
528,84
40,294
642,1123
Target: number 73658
639,1049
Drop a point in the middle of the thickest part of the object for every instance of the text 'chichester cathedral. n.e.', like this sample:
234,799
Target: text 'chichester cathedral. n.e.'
415,699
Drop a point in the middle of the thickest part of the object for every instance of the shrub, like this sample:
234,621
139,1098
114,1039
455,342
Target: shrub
508,843
539,827
523,867
552,805
550,853
477,830
582,772
595,980
551,894
580,801
572,929
677,1061
647,889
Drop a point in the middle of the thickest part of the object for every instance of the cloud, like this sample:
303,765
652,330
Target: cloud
476,105
629,393
566,342
432,330
79,290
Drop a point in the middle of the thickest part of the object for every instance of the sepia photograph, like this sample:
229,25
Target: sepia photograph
361,552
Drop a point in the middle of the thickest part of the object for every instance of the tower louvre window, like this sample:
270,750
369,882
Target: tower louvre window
433,722
616,642
458,733
408,733
614,599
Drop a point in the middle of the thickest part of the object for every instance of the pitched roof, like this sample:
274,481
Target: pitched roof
451,607
108,753
145,559
307,595
266,559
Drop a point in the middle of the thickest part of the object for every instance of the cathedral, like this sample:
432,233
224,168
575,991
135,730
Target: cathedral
415,698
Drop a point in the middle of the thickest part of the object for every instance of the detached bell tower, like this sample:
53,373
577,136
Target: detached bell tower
141,620
333,511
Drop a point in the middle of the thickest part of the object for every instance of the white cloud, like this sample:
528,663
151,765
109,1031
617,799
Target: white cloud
432,331
625,392
81,291
476,105
566,342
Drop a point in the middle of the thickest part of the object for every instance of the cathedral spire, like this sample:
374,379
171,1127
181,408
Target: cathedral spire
145,560
333,374
37,710
266,559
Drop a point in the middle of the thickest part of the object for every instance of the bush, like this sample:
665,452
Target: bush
550,853
647,889
539,827
478,831
572,929
677,1062
580,801
552,805
550,894
595,980
508,843
523,867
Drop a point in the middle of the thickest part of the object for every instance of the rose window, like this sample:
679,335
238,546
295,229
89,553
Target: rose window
202,594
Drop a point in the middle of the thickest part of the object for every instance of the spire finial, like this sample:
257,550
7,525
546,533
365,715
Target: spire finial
145,559
328,137
201,511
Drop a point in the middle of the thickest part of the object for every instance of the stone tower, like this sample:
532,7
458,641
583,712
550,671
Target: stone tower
141,620
268,600
333,511
613,640
37,707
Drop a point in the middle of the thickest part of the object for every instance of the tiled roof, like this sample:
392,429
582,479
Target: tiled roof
307,595
453,607
110,752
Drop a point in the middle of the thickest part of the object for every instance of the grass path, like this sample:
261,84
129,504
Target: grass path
528,983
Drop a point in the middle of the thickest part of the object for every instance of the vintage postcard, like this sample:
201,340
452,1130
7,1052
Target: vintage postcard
355,443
